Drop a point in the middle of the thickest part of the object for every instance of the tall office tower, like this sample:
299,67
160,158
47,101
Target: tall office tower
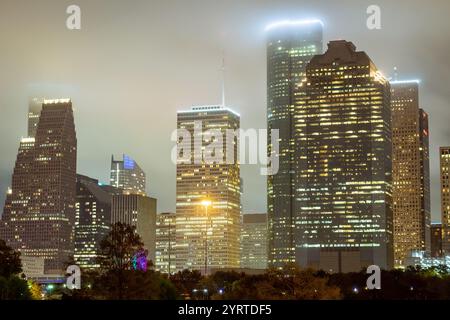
445,198
436,240
208,193
127,175
165,242
343,206
39,213
34,111
139,211
290,46
92,220
254,241
410,171
424,137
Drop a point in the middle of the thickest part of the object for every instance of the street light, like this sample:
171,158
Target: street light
206,204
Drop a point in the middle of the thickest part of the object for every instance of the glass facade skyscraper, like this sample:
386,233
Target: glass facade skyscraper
92,220
445,198
34,111
39,212
165,242
127,175
410,171
343,164
290,46
254,241
138,211
208,236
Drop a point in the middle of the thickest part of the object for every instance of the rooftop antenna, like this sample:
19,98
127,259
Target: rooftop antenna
223,78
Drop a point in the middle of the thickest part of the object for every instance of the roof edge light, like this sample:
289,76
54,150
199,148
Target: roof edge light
292,23
56,101
209,108
405,81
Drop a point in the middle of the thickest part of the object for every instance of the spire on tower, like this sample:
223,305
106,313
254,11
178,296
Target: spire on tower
223,78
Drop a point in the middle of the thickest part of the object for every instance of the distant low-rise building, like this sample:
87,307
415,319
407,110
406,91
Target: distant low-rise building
436,240
139,211
92,220
254,241
165,242
32,267
424,260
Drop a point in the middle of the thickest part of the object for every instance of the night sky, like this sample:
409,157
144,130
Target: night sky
135,63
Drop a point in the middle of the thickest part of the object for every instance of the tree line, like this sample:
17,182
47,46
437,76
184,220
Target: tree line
118,279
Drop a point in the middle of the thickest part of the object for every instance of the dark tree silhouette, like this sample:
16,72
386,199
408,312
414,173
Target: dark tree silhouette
117,250
10,263
12,287
185,281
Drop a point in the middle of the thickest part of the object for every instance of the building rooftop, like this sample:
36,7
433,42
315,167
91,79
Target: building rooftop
292,23
209,108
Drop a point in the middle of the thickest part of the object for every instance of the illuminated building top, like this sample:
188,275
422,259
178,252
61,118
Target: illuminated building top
292,23
417,81
208,108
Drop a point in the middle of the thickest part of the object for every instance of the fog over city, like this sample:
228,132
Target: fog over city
135,63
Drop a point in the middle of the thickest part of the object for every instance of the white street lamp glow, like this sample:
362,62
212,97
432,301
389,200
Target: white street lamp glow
206,203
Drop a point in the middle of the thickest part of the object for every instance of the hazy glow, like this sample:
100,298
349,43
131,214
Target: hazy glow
291,23
54,101
27,140
405,81
206,203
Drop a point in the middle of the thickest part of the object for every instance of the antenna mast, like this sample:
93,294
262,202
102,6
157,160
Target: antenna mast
223,78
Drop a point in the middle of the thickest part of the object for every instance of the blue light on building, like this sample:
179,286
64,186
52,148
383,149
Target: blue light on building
128,163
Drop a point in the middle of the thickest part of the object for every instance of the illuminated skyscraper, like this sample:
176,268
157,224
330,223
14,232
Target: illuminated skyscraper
208,193
343,207
39,213
92,220
139,211
290,46
165,242
410,171
445,198
34,111
254,241
127,175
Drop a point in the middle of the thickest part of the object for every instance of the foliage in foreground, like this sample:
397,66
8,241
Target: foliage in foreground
117,280
12,287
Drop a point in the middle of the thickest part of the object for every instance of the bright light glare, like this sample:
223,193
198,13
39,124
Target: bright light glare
405,81
290,23
206,203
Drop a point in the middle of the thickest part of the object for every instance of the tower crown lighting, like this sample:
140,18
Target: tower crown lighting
292,23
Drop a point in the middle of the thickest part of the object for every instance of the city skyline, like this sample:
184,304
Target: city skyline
90,163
